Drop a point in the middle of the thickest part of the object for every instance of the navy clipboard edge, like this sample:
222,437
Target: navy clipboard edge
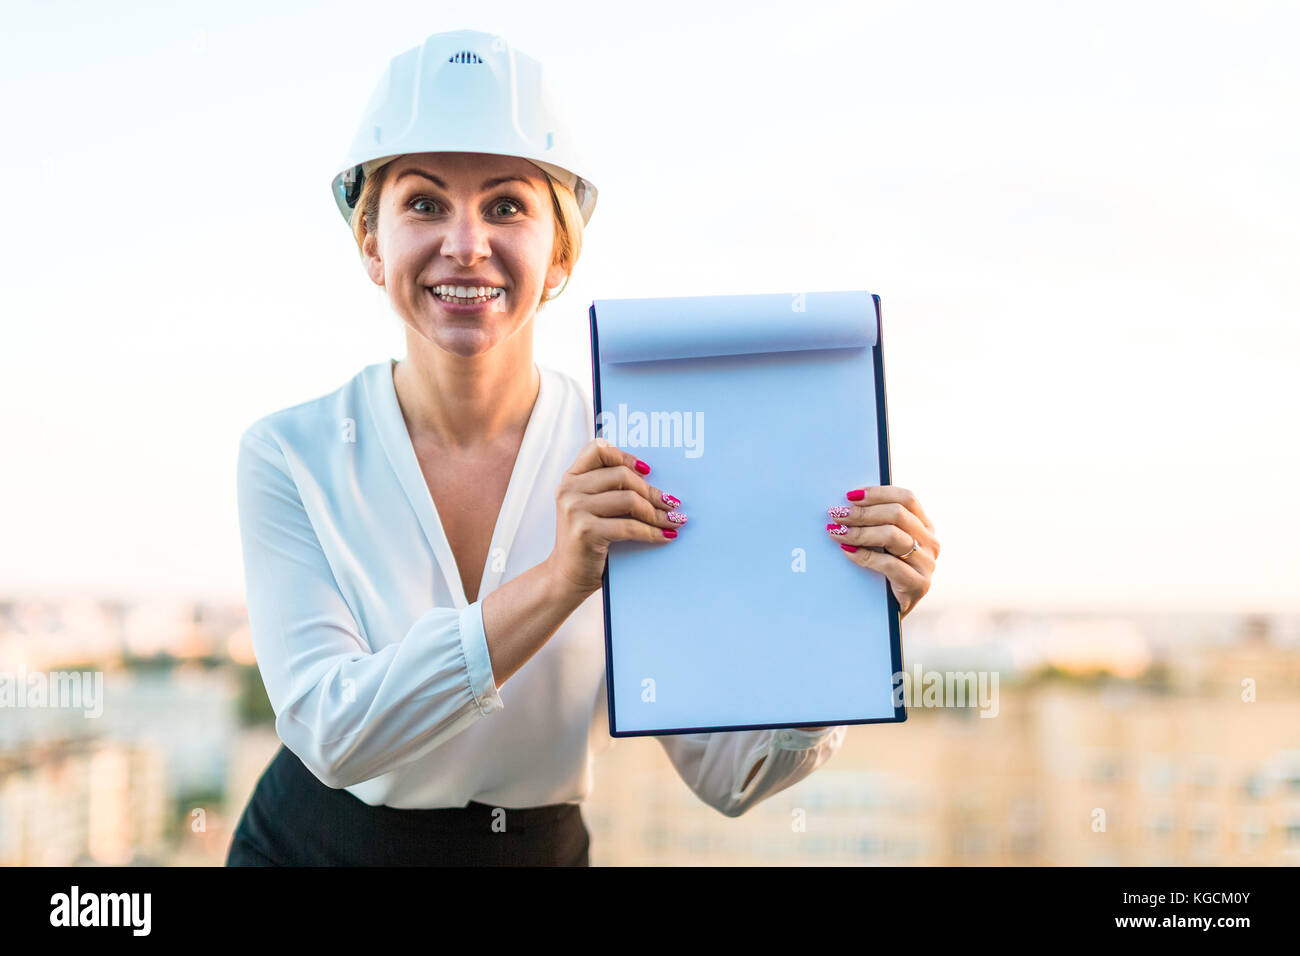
895,641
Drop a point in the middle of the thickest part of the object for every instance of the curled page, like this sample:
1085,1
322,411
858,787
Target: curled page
649,330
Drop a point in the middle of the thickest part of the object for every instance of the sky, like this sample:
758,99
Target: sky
1081,220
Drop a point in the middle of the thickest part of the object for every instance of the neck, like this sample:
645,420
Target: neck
462,403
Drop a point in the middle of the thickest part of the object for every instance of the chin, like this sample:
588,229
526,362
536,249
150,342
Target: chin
465,342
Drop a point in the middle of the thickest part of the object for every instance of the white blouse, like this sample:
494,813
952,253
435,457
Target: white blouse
376,664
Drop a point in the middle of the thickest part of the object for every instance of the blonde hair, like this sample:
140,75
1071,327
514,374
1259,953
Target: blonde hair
564,205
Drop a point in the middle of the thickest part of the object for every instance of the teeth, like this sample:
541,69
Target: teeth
468,293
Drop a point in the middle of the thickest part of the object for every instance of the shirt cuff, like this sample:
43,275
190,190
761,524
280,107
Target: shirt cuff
473,643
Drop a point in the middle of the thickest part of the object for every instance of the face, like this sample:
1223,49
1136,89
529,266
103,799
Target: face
442,221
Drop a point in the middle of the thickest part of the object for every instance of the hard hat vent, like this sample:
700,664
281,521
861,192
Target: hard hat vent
465,56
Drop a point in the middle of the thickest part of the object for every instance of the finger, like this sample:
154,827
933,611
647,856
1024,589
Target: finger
885,515
599,453
609,530
629,529
627,503
902,576
620,476
887,538
885,494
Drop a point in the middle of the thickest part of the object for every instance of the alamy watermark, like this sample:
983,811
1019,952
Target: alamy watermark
921,689
657,429
947,689
83,690
74,908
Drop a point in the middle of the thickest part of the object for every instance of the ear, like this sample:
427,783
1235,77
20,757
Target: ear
374,264
554,276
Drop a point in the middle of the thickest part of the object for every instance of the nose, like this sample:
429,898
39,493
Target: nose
467,238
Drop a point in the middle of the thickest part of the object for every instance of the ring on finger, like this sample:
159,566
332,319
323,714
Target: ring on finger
915,546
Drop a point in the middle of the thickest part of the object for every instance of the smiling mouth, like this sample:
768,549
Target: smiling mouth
467,300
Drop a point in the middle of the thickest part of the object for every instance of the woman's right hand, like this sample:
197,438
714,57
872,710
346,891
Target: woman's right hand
603,498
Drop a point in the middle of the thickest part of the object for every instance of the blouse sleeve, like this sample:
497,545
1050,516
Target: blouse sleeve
716,765
348,713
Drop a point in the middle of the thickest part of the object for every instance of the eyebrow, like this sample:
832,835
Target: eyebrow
488,184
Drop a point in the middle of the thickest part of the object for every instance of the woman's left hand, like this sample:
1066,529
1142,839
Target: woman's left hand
886,517
877,525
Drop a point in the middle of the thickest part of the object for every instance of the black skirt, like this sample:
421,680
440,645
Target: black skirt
293,819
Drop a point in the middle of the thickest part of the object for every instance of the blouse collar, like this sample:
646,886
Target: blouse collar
381,396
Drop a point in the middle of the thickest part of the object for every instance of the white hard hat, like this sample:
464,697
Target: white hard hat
463,92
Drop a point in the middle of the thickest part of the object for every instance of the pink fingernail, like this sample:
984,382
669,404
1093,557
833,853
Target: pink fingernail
849,547
839,511
672,502
676,517
856,494
837,529
642,467
668,534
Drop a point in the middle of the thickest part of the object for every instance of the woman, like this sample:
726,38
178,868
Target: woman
424,546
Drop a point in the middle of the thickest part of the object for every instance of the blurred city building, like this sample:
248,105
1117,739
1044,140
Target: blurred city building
1114,740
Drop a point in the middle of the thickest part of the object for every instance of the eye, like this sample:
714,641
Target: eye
507,201
418,200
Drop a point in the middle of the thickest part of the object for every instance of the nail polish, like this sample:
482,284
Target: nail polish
668,534
670,501
676,517
642,467
849,547
856,494
838,529
839,511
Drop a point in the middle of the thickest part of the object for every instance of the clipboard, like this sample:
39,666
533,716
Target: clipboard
758,412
